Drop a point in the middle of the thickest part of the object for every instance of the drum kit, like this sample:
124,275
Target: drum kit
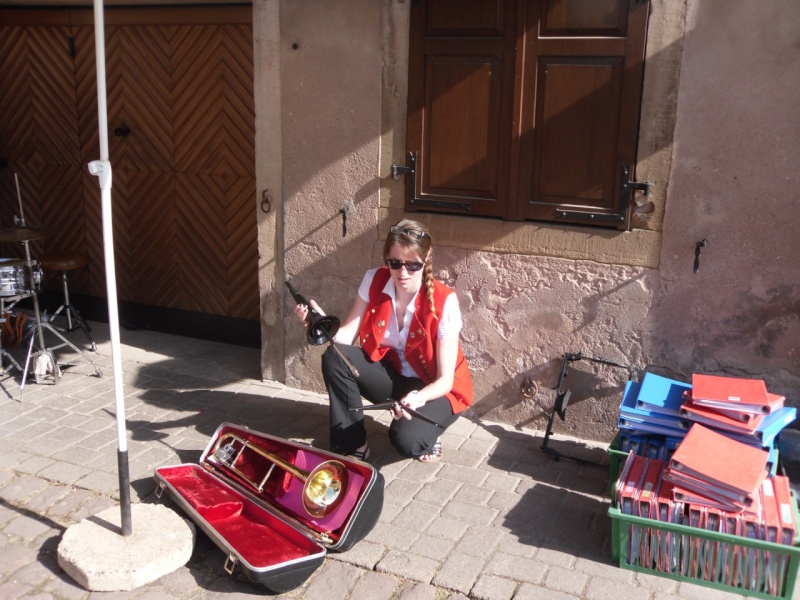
22,278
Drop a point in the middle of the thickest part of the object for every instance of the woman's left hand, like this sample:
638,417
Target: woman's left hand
412,400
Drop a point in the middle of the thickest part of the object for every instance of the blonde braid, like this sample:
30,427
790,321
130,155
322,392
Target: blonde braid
427,277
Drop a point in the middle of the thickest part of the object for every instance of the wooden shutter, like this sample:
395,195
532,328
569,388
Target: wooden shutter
542,129
461,76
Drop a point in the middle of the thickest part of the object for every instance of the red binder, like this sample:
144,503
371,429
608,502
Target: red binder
723,465
711,417
730,392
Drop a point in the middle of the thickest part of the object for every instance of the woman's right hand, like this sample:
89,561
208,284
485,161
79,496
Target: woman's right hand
302,311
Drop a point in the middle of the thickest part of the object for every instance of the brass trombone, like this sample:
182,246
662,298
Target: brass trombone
323,487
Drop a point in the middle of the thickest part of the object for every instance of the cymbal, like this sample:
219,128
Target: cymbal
12,262
25,234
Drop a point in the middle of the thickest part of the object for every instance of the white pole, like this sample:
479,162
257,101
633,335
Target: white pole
102,169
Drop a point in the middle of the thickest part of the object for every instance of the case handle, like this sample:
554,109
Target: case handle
230,564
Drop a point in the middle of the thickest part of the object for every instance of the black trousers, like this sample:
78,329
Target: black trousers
377,382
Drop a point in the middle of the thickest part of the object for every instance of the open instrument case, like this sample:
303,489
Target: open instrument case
274,506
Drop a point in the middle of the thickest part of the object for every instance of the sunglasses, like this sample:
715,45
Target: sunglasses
411,266
414,233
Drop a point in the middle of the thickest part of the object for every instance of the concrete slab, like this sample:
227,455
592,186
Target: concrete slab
99,558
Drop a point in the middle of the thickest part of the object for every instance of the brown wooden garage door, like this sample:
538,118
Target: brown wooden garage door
181,121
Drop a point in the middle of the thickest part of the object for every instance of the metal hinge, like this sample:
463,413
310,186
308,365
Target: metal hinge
411,187
627,187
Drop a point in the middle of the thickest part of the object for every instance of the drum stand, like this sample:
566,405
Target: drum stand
43,359
3,352
44,353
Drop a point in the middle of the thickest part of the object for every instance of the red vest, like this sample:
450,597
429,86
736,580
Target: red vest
421,344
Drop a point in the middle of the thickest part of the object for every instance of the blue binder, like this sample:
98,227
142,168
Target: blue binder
661,394
637,419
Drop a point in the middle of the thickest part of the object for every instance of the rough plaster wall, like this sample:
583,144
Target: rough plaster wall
522,313
331,70
734,182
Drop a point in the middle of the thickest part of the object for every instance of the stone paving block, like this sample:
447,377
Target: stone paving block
7,513
462,474
33,574
447,528
401,491
420,472
514,567
476,515
410,566
21,489
27,528
600,588
657,583
476,446
332,575
13,589
691,591
504,502
391,536
465,427
566,580
432,547
16,558
438,491
605,569
61,510
34,464
364,554
63,472
418,591
480,432
459,573
472,494
502,482
95,504
416,515
490,587
374,586
510,544
529,591
497,465
480,541
463,457
101,482
556,558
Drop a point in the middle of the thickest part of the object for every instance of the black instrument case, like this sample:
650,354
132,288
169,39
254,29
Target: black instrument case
249,495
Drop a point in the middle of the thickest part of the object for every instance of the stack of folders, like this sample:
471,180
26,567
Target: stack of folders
650,421
645,490
712,469
741,408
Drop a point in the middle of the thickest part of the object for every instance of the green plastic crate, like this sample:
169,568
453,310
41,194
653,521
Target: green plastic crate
616,457
682,552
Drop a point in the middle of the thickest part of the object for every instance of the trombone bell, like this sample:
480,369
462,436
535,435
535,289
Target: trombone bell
323,487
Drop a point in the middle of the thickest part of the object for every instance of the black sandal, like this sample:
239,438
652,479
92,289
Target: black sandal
433,455
360,454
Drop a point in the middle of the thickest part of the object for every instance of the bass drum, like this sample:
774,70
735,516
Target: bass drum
15,277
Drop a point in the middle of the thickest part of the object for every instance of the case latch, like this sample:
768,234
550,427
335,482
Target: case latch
160,489
230,564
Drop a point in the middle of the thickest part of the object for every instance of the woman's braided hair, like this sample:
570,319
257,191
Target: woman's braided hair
414,236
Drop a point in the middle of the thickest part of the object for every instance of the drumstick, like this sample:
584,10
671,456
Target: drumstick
389,405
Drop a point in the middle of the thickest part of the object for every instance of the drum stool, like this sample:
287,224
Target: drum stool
68,261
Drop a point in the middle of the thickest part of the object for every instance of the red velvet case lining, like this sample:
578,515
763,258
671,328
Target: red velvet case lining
259,537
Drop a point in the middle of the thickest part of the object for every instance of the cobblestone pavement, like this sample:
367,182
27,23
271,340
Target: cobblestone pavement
496,519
